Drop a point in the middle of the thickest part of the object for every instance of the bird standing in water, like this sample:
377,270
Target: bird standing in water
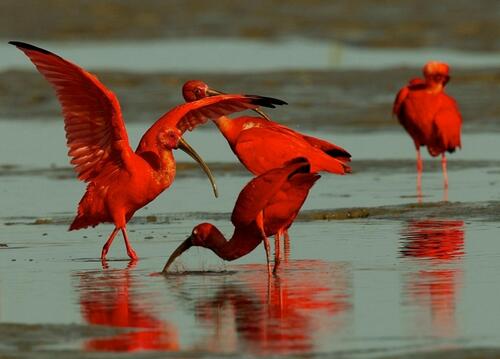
261,144
121,181
430,116
267,204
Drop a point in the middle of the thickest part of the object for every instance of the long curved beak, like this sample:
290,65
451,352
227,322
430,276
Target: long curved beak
212,92
183,145
184,246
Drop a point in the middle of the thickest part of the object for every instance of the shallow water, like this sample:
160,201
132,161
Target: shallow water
243,56
360,286
385,176
405,280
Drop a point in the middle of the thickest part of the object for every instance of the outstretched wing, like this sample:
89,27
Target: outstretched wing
189,115
95,131
259,191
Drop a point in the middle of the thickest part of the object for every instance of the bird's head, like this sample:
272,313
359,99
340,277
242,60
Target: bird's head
169,138
203,235
194,90
437,74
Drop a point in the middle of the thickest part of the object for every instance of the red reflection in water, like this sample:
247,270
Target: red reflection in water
281,316
434,289
434,239
107,298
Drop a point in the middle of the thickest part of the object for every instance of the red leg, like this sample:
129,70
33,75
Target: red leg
106,246
267,247
130,251
445,173
277,251
286,246
420,167
420,164
260,222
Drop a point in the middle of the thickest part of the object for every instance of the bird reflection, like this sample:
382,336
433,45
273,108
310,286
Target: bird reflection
108,298
285,315
433,285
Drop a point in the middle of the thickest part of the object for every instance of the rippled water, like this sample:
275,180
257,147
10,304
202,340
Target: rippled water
361,287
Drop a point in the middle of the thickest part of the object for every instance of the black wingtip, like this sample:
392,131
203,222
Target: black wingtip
338,153
266,101
304,166
24,46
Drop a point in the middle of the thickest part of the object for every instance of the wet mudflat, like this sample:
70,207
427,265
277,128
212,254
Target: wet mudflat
324,96
451,23
369,271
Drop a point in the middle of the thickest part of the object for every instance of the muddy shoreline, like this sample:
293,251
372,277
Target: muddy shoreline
350,100
482,211
188,169
20,341
453,24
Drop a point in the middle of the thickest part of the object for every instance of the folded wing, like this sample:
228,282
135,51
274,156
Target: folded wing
258,192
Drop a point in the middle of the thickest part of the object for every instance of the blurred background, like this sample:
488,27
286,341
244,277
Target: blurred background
338,63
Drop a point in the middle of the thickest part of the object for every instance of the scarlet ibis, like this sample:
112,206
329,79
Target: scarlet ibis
267,204
261,144
429,115
121,181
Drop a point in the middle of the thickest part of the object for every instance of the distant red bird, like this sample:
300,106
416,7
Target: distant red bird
261,144
267,204
429,115
122,181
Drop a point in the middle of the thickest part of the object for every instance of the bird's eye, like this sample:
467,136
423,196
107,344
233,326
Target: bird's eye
195,232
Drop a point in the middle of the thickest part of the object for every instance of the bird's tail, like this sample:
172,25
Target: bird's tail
332,165
78,223
91,210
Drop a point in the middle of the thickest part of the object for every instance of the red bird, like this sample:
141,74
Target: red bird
429,115
267,204
121,181
261,144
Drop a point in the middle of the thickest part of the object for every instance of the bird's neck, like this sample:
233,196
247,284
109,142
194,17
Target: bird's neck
433,87
161,161
167,165
243,241
228,128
